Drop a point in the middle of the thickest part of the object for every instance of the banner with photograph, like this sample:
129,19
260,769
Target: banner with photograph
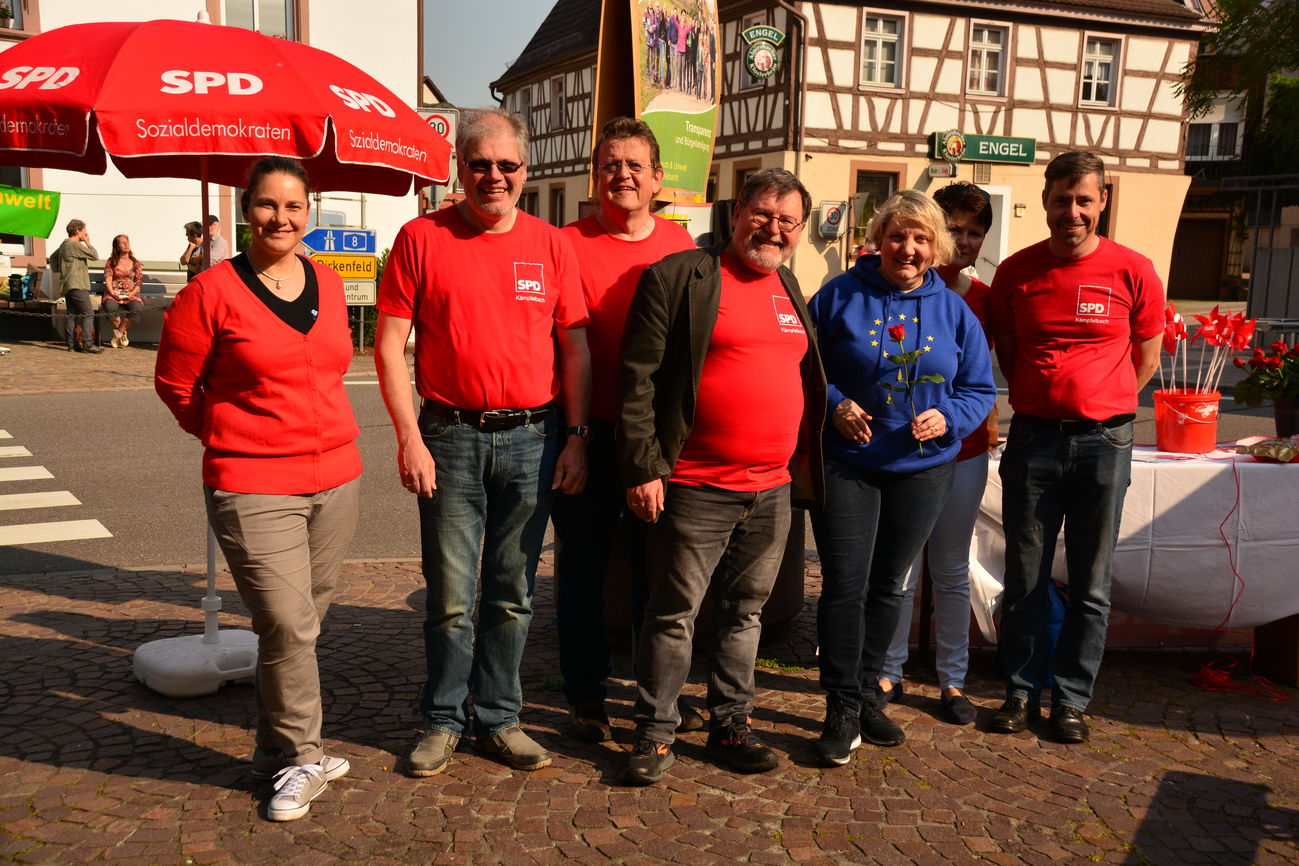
677,51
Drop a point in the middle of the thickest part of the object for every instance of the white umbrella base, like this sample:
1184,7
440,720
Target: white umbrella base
186,667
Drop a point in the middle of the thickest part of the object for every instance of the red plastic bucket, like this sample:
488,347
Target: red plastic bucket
1186,421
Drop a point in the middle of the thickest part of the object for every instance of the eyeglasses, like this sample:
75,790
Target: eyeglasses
612,169
786,224
483,166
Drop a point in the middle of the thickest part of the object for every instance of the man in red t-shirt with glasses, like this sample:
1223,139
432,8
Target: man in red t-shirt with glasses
494,298
722,401
1077,320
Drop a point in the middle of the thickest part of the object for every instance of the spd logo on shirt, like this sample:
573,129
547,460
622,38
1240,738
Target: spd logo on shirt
530,282
1093,303
786,316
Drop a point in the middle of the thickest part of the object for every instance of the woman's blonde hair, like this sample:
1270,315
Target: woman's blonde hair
914,205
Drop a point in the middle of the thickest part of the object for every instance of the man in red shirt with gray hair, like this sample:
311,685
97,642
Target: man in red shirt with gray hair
722,401
494,297
1077,320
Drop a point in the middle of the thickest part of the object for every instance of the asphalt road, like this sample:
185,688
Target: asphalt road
122,455
132,469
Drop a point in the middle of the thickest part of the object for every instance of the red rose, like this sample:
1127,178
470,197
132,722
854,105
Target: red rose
1276,363
1239,362
1280,347
897,333
1294,351
1258,353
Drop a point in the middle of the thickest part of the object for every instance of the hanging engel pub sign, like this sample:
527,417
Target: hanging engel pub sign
762,58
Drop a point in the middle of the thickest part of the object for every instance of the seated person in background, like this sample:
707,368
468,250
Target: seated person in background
122,277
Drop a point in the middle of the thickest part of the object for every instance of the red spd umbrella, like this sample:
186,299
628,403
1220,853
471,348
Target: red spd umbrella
157,96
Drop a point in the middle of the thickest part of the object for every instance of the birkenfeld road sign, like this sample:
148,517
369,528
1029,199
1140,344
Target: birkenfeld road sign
326,239
350,268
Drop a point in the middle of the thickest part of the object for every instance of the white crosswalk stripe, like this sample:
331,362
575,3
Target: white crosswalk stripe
61,530
48,499
14,451
5,434
24,473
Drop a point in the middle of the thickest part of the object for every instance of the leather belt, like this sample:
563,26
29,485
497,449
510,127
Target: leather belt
1078,426
489,420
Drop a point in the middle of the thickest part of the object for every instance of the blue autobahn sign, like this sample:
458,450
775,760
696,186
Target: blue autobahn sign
336,240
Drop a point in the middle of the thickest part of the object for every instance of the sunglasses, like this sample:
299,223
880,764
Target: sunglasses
483,166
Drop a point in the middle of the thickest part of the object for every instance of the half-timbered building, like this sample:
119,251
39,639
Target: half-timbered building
867,92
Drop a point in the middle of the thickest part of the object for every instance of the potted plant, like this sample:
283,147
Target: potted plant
1273,376
6,15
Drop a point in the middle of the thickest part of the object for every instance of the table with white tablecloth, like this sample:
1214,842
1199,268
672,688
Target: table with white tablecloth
1196,531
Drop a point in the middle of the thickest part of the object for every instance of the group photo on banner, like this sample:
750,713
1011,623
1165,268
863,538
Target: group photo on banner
677,49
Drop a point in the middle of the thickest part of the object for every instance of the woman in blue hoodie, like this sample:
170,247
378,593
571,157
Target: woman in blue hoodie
909,376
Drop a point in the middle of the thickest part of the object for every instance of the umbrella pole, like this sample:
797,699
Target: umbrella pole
212,601
207,238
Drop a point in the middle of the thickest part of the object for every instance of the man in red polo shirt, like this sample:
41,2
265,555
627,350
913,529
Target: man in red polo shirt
722,401
613,246
1077,320
494,297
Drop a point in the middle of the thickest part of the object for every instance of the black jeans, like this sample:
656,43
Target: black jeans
870,531
80,312
586,528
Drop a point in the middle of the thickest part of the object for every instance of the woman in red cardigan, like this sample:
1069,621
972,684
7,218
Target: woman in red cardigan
251,362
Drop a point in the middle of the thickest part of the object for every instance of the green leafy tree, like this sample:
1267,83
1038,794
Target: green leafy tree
1254,41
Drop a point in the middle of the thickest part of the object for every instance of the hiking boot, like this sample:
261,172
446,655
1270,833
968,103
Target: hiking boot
840,734
589,722
267,763
878,728
648,763
92,349
734,746
514,747
295,788
691,720
431,754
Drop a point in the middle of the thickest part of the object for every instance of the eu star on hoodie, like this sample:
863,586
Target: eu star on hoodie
852,314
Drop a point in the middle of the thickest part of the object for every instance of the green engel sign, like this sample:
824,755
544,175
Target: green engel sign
955,146
28,212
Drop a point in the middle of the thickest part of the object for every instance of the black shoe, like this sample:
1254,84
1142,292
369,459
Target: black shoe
883,698
1067,725
1014,716
840,734
878,728
734,746
73,347
958,710
648,763
690,718
92,349
589,722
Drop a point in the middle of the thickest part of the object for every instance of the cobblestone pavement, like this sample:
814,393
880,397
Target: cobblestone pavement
95,768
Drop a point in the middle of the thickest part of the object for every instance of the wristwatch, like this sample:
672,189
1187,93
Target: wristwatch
582,430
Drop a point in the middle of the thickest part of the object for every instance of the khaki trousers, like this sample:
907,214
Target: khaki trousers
284,552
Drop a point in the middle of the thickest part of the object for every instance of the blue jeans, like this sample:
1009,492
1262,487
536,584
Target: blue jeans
493,493
868,534
80,312
948,554
1049,478
586,527
705,536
